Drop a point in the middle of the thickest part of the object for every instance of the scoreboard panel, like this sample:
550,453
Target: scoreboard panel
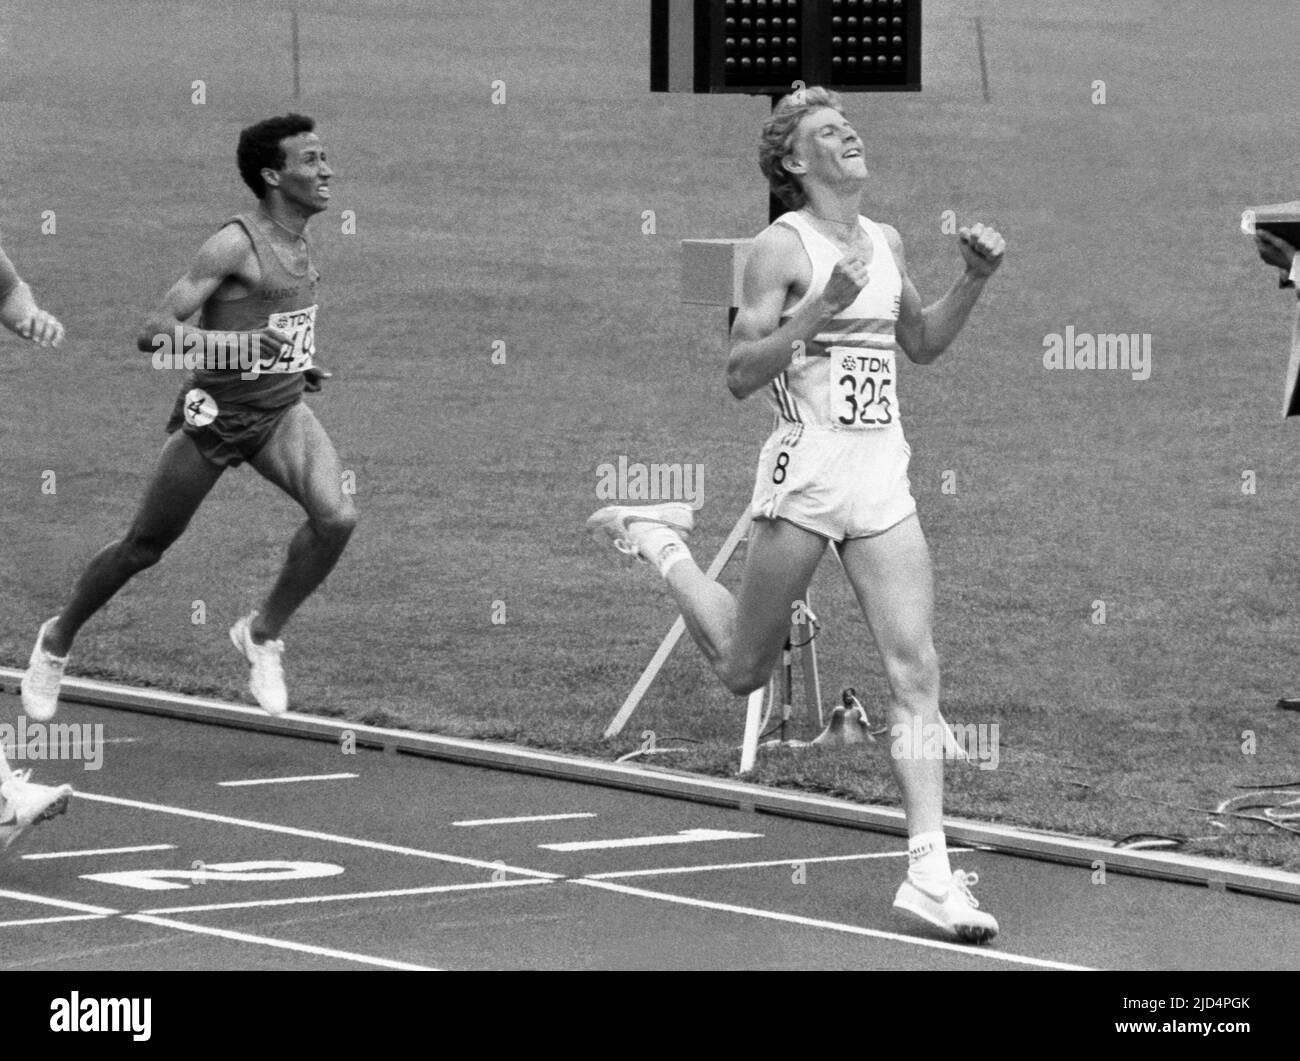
764,47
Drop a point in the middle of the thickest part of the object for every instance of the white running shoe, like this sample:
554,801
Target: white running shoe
26,803
624,524
41,683
956,912
266,679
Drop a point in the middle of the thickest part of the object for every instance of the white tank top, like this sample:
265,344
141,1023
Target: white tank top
846,380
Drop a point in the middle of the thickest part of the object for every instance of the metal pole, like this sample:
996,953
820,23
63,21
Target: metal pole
293,31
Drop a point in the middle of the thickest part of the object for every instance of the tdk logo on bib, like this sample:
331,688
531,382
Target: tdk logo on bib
864,363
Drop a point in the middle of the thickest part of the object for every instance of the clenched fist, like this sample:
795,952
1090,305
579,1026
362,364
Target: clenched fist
848,278
982,247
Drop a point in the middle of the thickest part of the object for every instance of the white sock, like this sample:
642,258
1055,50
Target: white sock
927,862
662,546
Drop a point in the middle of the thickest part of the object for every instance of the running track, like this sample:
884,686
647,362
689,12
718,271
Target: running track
373,863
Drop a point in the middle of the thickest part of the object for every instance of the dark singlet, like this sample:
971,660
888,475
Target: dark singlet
279,291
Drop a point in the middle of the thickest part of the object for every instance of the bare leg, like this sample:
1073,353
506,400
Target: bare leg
894,583
301,460
742,636
180,482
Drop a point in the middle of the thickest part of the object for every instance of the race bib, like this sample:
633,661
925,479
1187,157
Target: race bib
296,356
862,388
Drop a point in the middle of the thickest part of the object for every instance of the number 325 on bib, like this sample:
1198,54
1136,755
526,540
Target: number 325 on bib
862,392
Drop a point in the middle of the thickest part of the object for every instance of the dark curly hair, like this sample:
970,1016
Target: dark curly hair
260,147
778,139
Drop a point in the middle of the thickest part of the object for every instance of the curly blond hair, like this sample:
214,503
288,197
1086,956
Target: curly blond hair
777,140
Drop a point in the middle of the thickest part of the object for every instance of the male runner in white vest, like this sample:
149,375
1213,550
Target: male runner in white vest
826,303
253,283
22,801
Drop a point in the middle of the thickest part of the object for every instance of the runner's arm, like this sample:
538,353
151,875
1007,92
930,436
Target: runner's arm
925,333
761,346
9,278
222,257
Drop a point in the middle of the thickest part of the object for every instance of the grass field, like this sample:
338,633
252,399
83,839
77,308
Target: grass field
479,224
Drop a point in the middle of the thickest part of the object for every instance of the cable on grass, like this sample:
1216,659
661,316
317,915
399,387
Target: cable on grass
657,750
1273,823
814,628
1205,810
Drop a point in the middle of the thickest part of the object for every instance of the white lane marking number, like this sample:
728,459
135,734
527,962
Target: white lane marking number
155,880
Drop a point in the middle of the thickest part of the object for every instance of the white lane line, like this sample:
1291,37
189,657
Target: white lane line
53,920
396,892
103,851
286,780
64,904
266,941
741,865
756,865
686,836
311,834
526,818
833,926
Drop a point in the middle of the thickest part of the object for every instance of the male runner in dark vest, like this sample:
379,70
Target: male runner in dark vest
254,286
23,802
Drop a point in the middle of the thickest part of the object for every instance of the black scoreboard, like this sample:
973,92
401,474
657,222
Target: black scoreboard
763,47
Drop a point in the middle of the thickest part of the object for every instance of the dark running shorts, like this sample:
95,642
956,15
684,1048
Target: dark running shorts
226,437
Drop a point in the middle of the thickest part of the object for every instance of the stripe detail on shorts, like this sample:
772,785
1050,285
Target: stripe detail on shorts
785,400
